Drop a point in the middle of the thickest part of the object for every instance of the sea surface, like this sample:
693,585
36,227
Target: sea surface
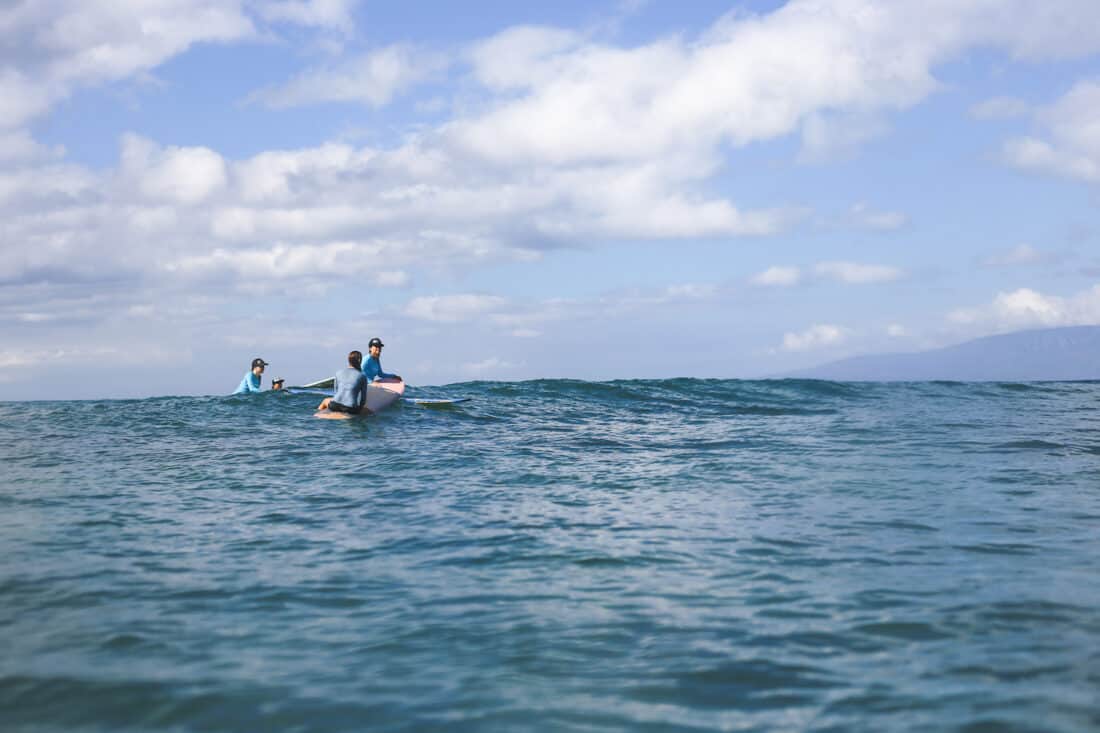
679,555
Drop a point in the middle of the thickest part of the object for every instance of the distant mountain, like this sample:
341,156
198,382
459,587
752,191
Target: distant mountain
1025,356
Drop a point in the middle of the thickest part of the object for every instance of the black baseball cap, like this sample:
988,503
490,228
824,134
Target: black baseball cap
375,342
258,362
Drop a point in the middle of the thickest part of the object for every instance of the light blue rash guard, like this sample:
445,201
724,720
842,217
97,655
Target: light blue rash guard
373,369
350,387
250,383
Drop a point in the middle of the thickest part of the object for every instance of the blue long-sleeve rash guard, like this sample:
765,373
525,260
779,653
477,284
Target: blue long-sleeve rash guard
373,369
250,383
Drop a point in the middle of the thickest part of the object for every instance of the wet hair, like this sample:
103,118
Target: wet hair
355,359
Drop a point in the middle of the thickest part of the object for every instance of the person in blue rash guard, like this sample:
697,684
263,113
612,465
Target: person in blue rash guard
251,381
372,368
349,388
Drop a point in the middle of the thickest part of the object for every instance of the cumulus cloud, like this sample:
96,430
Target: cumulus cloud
738,83
1071,147
815,337
1025,307
173,174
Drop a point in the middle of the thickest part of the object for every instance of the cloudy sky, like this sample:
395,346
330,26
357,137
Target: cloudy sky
593,190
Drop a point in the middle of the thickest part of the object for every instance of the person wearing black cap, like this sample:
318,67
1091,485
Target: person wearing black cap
251,381
372,367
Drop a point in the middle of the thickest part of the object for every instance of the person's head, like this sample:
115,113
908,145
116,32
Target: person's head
258,365
277,383
375,346
355,359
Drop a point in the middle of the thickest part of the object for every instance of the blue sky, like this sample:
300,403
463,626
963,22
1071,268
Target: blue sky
589,190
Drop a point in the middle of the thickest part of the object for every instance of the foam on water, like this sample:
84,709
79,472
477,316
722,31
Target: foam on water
557,555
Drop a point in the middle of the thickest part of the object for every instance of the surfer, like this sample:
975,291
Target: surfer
373,368
277,383
349,389
251,381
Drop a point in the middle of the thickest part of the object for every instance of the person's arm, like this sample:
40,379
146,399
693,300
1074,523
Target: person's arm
254,383
362,384
246,386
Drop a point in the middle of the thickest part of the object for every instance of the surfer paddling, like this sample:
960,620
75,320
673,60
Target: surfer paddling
373,368
349,392
251,381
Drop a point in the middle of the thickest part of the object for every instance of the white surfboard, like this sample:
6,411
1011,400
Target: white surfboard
433,402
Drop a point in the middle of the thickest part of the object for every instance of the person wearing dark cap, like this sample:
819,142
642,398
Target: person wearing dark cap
277,383
251,381
372,367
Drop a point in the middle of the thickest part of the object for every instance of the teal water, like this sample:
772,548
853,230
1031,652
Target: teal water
682,555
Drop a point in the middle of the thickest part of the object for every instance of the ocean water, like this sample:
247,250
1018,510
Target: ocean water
680,555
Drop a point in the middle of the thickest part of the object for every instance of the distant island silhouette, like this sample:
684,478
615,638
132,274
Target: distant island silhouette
1047,354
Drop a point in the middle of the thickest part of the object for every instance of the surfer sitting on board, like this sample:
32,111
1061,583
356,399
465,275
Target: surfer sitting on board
251,381
373,368
349,389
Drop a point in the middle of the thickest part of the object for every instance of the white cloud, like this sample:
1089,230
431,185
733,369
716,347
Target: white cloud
850,273
558,140
739,84
1024,307
521,56
180,175
453,308
55,47
780,276
896,330
373,79
816,337
864,216
335,14
856,273
282,262
1072,146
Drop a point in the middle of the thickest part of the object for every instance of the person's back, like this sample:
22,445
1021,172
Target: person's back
350,388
